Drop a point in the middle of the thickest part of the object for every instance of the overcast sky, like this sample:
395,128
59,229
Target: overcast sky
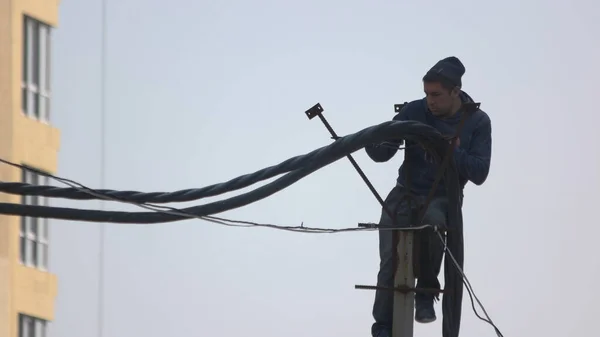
199,92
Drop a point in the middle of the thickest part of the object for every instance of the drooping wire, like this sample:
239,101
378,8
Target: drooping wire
469,288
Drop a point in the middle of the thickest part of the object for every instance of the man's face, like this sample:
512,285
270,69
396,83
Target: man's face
439,99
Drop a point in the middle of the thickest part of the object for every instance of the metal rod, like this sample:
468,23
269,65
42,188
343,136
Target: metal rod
401,289
102,227
355,164
317,110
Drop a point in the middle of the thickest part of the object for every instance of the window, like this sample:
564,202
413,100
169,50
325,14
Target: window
31,326
34,231
35,83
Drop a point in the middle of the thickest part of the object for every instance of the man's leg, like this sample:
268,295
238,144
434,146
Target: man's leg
430,260
384,300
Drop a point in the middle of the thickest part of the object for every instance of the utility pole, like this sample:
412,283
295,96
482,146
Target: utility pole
404,301
404,282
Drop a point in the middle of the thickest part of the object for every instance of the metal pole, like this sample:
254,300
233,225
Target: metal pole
317,111
102,227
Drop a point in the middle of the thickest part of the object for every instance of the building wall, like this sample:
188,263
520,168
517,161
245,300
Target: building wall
24,290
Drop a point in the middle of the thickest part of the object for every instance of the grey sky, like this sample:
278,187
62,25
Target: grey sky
201,92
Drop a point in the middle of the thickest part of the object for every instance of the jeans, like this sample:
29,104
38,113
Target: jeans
431,251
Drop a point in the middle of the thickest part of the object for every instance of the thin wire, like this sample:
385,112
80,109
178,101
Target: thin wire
102,228
469,288
219,220
242,223
223,221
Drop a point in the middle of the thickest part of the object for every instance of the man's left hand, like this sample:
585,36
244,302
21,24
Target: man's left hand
456,141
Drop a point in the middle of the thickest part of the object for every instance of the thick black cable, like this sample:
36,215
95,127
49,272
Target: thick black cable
219,220
452,302
154,197
351,143
453,282
303,165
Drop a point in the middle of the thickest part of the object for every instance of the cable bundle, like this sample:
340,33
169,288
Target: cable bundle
295,169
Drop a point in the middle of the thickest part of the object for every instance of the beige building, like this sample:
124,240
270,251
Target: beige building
27,287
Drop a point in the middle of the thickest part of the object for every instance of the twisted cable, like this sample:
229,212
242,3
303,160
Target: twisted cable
297,167
347,144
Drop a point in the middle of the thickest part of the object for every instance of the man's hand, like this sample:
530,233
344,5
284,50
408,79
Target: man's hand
451,140
457,142
454,140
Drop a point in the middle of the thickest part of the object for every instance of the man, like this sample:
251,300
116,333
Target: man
443,107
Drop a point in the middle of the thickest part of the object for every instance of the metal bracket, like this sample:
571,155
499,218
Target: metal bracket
398,107
315,111
402,289
471,107
405,228
375,225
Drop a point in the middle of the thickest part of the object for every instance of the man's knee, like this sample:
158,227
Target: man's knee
436,212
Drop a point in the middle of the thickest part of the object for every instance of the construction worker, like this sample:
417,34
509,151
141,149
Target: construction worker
442,107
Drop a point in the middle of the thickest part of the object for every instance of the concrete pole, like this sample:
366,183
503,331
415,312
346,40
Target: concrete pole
404,305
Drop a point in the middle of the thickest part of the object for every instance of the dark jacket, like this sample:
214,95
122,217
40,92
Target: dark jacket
472,157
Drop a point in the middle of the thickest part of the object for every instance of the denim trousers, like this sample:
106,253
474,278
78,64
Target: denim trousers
430,253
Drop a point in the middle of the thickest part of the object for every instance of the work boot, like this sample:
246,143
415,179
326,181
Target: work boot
383,333
424,311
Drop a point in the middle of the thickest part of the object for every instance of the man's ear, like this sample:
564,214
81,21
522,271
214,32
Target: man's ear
455,92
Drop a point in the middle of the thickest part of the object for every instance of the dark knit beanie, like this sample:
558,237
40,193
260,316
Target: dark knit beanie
450,68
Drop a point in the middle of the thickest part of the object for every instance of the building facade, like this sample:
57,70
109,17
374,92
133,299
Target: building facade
27,287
